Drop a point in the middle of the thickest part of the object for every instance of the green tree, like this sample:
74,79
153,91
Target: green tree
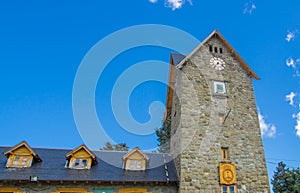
286,180
163,136
115,147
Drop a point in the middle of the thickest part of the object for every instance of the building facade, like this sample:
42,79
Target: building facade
216,144
216,137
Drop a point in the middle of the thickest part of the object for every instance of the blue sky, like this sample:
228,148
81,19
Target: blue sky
42,44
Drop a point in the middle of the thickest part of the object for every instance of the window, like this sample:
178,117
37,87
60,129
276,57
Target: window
80,158
24,161
210,48
219,88
20,161
225,155
103,190
135,165
221,50
16,160
228,189
135,160
21,155
216,49
80,163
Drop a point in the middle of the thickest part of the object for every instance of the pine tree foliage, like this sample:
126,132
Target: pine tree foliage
115,147
163,136
286,180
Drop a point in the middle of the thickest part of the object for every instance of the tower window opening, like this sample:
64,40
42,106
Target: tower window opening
216,49
225,154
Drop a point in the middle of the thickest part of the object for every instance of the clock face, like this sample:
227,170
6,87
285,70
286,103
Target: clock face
217,63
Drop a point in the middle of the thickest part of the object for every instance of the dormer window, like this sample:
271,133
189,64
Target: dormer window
135,165
135,160
80,163
21,155
20,161
80,158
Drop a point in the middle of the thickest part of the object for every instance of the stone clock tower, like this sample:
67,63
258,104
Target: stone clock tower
215,134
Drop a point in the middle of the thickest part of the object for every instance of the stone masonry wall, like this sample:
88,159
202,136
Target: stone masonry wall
200,133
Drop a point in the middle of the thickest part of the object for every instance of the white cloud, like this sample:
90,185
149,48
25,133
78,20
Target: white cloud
153,1
267,129
290,97
249,7
290,36
290,62
176,4
297,127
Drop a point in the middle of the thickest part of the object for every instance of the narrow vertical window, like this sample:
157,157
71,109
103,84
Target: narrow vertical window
228,189
225,155
210,48
221,51
16,160
224,189
216,49
232,189
24,161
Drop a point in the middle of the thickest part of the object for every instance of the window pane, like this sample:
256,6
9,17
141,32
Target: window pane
132,164
138,164
216,49
104,190
220,88
84,162
24,161
80,163
135,165
231,189
224,189
76,162
16,160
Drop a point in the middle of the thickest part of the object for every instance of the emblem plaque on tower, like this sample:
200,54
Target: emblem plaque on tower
227,174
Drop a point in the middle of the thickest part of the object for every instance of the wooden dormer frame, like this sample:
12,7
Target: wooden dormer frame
22,159
74,156
23,143
129,158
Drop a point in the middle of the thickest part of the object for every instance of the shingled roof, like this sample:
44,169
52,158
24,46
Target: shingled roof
109,168
177,58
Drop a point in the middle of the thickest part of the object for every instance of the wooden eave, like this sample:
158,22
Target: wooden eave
136,149
170,92
216,34
71,153
19,145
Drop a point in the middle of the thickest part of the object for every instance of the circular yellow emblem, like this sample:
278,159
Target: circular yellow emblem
228,175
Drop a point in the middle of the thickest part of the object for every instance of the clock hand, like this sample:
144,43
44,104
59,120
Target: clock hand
226,116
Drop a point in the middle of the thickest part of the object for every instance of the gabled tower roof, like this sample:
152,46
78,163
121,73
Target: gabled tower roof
234,53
